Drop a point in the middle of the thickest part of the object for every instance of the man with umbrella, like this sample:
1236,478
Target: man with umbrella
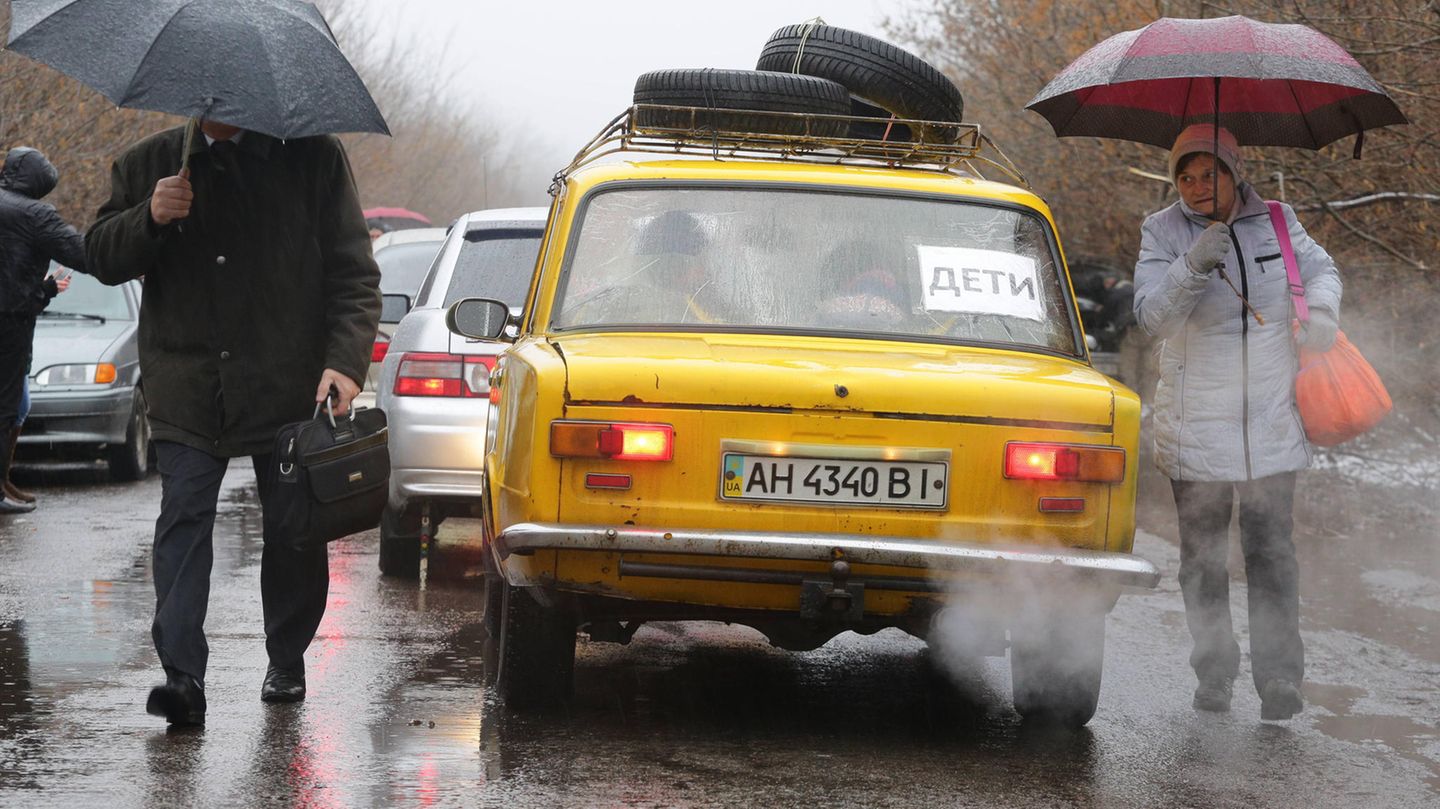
261,295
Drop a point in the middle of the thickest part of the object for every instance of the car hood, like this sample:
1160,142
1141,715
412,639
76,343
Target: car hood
62,342
813,373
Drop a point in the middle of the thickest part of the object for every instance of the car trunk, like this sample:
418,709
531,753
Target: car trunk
735,400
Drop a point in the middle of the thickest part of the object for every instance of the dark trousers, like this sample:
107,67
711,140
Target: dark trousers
293,584
1266,523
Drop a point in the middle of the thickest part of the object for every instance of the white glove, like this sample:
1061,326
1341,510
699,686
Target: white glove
1209,250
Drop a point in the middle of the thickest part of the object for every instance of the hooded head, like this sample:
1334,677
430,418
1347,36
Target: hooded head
1201,138
27,172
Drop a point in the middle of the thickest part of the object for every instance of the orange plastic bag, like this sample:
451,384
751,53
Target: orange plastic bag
1339,395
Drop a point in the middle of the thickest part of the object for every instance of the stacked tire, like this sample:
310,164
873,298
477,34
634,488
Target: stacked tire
813,69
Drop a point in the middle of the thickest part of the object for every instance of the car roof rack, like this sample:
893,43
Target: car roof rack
962,150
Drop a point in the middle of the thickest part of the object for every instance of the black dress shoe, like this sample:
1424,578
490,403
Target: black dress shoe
283,685
180,700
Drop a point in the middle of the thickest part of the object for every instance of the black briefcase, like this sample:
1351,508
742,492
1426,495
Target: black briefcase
332,477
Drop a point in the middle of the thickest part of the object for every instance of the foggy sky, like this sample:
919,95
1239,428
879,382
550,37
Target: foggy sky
547,75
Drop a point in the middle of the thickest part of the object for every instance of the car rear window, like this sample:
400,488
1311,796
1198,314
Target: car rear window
87,296
767,259
403,266
495,263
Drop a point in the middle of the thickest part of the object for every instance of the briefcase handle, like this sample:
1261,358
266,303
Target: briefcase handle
349,427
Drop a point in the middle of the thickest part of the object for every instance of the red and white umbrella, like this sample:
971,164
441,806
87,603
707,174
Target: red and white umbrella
1270,84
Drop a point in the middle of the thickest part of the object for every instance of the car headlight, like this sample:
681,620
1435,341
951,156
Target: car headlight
98,374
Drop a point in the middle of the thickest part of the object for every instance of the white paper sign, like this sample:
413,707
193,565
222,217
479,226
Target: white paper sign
979,282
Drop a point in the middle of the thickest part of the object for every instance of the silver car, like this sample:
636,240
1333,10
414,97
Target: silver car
405,257
85,392
434,386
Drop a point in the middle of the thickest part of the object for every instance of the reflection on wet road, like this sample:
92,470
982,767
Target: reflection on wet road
689,715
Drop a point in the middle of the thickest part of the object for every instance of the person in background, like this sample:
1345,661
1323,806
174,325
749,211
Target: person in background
54,285
1225,421
32,235
261,297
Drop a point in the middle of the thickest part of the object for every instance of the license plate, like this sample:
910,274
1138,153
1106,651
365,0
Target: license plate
834,481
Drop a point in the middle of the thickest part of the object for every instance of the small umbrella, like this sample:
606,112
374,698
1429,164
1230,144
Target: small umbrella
270,66
388,219
1270,84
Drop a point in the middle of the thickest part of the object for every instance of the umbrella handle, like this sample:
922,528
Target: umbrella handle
190,127
1251,309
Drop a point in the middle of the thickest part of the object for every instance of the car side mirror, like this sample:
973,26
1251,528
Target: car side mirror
393,307
478,318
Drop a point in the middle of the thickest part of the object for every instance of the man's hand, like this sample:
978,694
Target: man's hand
62,284
171,199
347,387
1209,250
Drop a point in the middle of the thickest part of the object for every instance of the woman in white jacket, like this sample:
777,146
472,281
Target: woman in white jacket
1225,418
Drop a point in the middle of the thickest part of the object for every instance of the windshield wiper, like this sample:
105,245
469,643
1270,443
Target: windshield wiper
72,314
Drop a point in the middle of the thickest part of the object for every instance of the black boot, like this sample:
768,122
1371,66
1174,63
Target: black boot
7,505
10,490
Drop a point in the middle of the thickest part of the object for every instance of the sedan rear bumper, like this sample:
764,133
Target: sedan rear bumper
924,556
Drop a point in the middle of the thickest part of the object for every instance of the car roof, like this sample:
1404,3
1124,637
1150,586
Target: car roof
489,217
408,236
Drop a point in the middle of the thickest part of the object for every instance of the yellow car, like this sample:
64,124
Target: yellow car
807,391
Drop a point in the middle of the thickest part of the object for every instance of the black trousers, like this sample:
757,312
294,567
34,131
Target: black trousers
1266,523
293,584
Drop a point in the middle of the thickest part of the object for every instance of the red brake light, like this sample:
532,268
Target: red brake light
620,442
1064,462
450,375
380,348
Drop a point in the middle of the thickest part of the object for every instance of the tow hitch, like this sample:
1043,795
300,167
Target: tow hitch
834,600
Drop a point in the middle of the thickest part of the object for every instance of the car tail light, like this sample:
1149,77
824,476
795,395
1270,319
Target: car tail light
449,375
1064,462
380,348
620,442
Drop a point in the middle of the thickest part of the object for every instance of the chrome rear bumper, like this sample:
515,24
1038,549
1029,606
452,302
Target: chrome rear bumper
1099,567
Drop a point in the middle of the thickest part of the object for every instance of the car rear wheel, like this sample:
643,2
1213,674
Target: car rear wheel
131,460
494,607
1056,661
399,544
871,69
537,652
720,92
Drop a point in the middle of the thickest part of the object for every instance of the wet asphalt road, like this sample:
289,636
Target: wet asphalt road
692,715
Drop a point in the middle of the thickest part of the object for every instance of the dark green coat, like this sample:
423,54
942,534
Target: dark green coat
267,283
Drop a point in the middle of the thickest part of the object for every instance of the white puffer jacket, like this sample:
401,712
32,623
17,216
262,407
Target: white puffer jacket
1225,403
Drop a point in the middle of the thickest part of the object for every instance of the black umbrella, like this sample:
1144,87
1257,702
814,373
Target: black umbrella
270,66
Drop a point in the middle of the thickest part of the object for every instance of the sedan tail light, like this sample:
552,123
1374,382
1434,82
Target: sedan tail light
447,375
620,442
380,348
1064,462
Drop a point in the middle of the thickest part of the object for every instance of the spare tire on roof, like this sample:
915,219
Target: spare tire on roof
871,69
725,94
